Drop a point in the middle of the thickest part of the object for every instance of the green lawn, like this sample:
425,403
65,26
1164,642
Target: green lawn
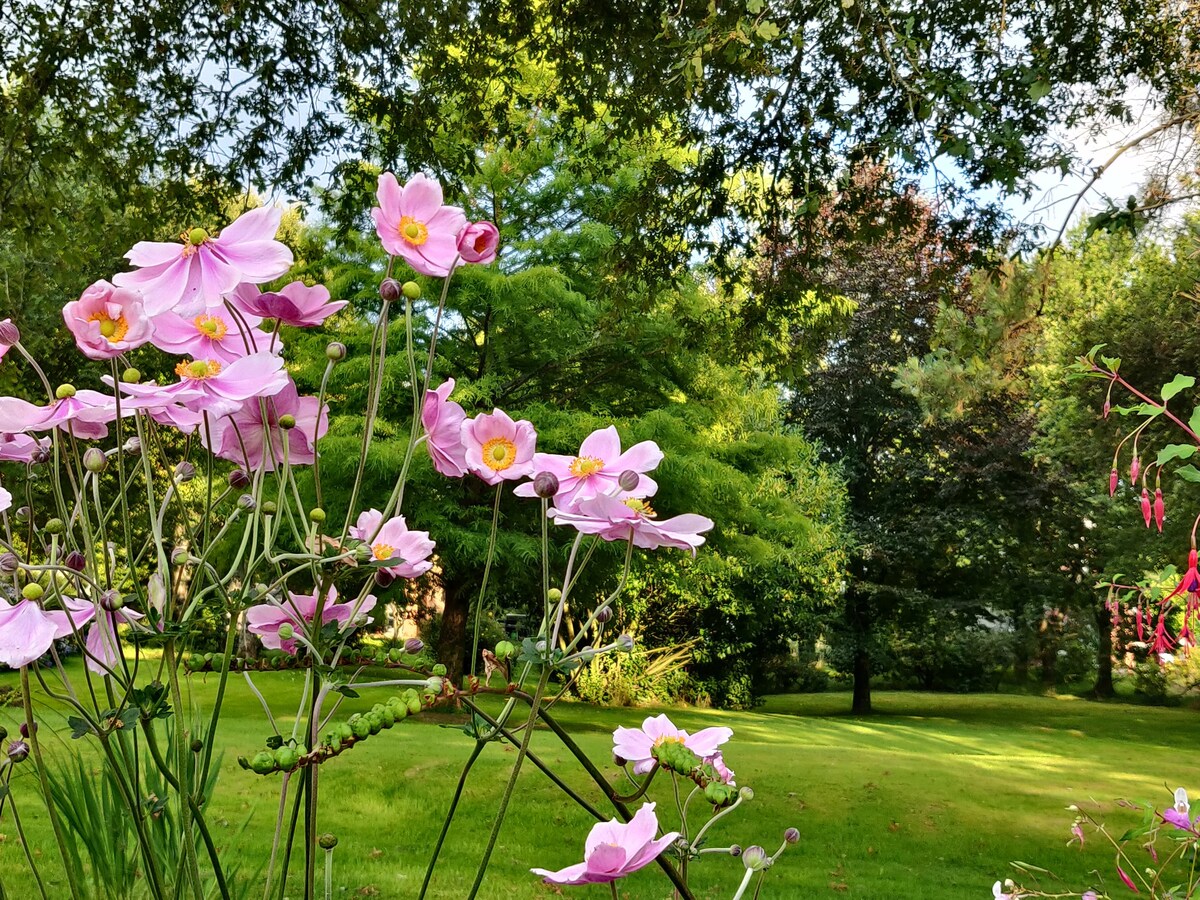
931,798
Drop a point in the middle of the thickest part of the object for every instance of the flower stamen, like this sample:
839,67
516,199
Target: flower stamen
198,370
413,232
499,453
112,330
582,466
211,327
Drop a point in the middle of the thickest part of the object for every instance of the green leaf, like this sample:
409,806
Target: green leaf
1175,451
1039,89
346,691
79,727
1194,421
1189,473
1177,384
768,31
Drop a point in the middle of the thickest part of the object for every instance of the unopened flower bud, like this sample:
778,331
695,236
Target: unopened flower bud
390,289
384,578
554,595
504,649
746,793
412,290
335,351
245,501
25,729
3,733
413,646
286,632
435,684
545,484
9,333
327,841
735,850
238,478
792,835
21,515
184,472
629,480
111,601
18,751
131,376
625,643
41,456
287,422
94,460
64,392
197,745
263,762
268,508
604,614
317,515
179,555
133,446
75,561
9,563
32,591
53,526
754,858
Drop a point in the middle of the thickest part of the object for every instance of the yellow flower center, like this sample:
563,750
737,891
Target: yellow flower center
640,506
112,330
667,739
383,551
582,466
211,327
193,239
412,231
499,453
198,370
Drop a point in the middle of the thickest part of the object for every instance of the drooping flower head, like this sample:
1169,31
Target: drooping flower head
8,335
252,437
392,540
479,242
636,745
103,643
614,850
631,518
85,414
26,633
597,469
107,321
497,448
212,334
201,268
443,419
295,304
413,224
298,611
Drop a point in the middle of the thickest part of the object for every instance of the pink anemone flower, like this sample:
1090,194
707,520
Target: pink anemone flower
392,540
636,745
295,304
614,850
5,499
251,437
443,419
202,268
107,321
479,242
597,469
21,447
103,644
7,325
630,518
26,633
413,224
85,414
724,773
207,385
299,611
497,448
213,334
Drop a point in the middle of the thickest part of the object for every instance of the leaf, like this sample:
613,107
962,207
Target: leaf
1177,384
346,691
1039,89
1194,421
1189,473
79,727
1175,451
768,31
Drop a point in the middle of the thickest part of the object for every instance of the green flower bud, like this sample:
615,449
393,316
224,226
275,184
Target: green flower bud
94,460
413,699
411,290
287,421
386,716
327,841
316,514
361,727
53,526
131,376
32,591
263,762
554,595
395,654
65,391
287,758
435,684
439,670
268,508
197,745
335,351
374,722
505,649
344,731
286,632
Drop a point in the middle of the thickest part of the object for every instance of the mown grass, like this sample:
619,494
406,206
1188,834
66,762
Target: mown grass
930,798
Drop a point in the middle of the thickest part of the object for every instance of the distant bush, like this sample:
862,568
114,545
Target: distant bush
963,660
643,676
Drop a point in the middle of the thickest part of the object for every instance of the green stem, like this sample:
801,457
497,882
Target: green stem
487,569
12,804
437,847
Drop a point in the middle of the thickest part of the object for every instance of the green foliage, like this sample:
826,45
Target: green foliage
643,676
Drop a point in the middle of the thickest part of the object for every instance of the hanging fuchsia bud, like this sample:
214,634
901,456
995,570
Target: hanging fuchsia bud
1159,509
1134,467
1141,631
1112,482
1146,513
1107,409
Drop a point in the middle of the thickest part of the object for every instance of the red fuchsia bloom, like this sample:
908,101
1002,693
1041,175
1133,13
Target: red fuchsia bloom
207,385
636,745
443,420
614,850
107,321
497,448
630,518
296,304
26,633
1159,510
251,437
1112,482
413,224
392,540
1135,466
213,334
1146,510
1127,880
1162,643
597,469
479,242
201,269
266,619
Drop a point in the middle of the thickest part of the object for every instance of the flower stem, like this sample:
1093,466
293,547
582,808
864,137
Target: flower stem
487,570
437,847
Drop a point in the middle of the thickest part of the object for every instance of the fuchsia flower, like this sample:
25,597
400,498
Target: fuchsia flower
614,850
266,619
413,224
392,540
597,468
197,272
251,437
630,518
1146,509
214,334
443,419
479,242
107,321
497,448
296,304
1159,509
636,745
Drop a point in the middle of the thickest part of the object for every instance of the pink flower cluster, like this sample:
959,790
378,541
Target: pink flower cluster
414,224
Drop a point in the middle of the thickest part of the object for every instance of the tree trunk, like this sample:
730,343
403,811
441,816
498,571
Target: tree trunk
858,612
1104,654
862,682
452,638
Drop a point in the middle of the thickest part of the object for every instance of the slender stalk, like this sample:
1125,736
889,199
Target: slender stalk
37,876
487,570
437,847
